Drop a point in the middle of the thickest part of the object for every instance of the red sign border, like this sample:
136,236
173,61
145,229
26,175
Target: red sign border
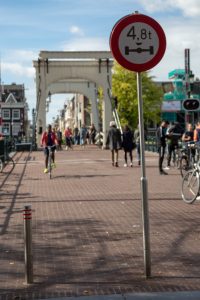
114,42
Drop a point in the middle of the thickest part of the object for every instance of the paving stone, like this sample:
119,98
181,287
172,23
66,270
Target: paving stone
87,228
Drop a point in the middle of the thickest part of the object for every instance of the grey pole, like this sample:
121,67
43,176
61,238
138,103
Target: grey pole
144,184
28,257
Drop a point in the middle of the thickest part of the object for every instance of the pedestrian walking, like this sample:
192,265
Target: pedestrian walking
68,138
83,135
76,135
127,145
92,134
59,139
114,142
161,143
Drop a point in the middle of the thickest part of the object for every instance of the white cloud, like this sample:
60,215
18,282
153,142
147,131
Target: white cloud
18,69
155,5
178,39
76,30
187,7
19,55
86,44
18,63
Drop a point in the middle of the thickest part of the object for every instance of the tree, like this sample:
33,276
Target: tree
124,87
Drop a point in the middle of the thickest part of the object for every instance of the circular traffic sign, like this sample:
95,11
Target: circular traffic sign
137,42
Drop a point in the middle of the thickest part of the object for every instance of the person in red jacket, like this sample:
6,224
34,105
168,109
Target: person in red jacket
49,139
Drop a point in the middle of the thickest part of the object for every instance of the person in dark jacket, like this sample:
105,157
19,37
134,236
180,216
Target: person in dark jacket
161,143
127,145
114,142
92,134
173,134
59,139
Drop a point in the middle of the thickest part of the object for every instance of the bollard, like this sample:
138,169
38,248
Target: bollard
27,213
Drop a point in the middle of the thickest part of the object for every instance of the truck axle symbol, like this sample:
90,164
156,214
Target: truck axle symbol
139,50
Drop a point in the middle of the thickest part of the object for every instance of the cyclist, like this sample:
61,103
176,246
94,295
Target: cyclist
49,139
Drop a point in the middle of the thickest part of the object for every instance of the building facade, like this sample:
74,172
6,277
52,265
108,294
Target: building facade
14,111
75,113
176,92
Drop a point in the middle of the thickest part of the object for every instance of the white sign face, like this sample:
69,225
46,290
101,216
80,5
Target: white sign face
138,43
171,106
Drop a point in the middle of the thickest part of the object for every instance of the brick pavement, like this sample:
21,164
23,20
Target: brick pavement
87,232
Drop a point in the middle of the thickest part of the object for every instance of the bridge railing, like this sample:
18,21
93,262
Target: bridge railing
151,144
151,141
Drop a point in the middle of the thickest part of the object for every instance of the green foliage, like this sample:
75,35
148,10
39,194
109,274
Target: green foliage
124,87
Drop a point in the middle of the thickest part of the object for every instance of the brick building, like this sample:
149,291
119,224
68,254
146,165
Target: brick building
14,110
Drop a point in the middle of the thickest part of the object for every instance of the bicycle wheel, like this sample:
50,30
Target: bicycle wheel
190,186
184,166
177,161
1,165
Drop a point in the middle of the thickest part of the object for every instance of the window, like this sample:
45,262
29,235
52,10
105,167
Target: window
6,128
5,114
16,114
16,128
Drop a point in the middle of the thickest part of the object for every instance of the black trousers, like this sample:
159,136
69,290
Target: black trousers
130,155
171,150
161,151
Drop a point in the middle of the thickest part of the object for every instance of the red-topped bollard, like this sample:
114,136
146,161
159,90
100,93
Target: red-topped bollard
28,257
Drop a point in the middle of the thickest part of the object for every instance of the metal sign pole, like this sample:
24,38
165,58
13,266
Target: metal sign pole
187,83
139,57
144,186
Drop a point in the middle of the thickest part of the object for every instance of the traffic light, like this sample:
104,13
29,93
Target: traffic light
191,104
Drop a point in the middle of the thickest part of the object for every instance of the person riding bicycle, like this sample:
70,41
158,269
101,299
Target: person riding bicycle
49,140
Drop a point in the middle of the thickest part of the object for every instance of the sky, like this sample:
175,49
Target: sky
27,27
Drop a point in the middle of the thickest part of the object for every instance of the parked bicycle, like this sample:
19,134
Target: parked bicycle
176,156
191,184
188,158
